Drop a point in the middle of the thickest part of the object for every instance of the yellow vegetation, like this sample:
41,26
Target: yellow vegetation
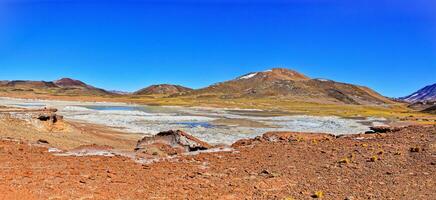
344,161
318,195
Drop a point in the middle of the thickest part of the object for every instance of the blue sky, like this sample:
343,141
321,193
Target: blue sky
389,46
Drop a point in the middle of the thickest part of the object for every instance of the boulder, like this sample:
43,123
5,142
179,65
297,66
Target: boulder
49,117
170,143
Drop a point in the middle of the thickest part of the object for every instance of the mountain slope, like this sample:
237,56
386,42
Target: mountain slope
428,93
166,89
289,84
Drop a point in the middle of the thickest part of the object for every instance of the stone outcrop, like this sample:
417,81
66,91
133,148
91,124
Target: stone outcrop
170,143
384,129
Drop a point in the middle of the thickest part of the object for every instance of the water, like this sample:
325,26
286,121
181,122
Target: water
196,124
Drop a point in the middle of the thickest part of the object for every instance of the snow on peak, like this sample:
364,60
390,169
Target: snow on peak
248,76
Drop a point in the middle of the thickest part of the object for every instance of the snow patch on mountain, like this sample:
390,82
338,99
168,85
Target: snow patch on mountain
248,76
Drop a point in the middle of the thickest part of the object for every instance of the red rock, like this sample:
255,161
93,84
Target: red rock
170,143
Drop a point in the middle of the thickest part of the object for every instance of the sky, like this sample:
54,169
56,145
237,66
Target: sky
388,45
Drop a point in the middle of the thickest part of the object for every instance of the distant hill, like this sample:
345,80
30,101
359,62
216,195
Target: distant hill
431,110
428,93
64,86
119,92
289,84
422,105
166,89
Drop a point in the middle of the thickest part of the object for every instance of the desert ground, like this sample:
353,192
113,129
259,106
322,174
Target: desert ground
394,165
75,157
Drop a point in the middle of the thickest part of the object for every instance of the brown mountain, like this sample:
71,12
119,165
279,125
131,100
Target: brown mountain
64,86
68,82
289,84
166,89
76,87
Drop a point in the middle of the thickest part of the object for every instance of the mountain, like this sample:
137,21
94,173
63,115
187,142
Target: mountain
64,86
289,84
68,82
166,89
428,93
76,87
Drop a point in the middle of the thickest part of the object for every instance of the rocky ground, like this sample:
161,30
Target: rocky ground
25,125
393,165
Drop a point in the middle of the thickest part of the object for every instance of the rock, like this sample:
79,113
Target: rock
415,149
41,141
243,142
384,129
51,117
296,136
170,143
268,174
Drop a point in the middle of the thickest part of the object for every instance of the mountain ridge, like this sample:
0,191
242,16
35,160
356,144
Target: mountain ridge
274,84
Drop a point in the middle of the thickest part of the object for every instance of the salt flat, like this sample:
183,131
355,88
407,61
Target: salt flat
200,122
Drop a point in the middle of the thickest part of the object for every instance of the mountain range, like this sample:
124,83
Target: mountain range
64,86
276,83
423,100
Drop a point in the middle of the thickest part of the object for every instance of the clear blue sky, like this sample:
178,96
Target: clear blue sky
128,44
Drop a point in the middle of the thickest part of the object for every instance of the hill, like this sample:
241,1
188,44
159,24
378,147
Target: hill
289,84
64,86
165,89
431,110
